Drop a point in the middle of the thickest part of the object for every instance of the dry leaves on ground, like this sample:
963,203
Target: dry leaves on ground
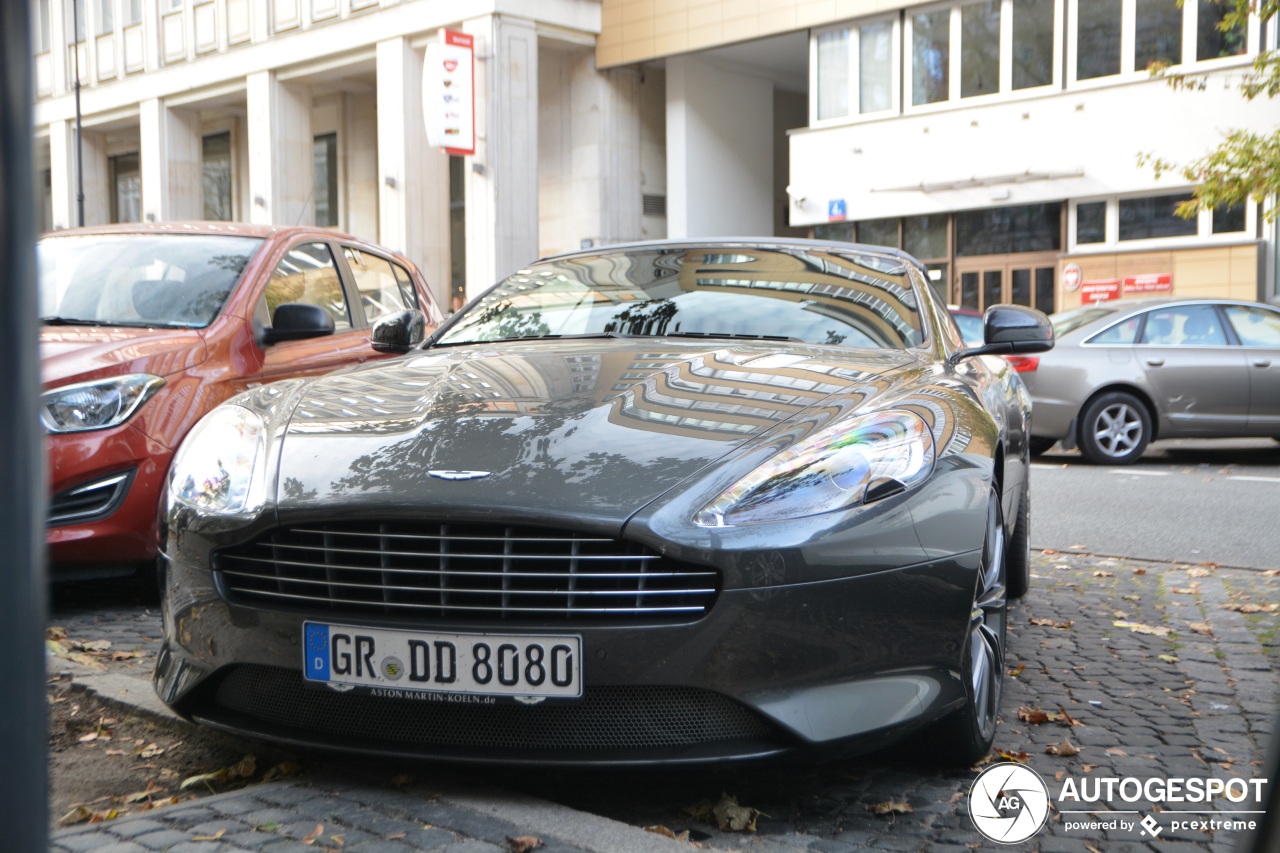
1064,749
891,807
522,843
1140,628
1051,623
726,814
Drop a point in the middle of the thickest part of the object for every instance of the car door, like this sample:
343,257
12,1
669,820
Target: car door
1197,378
310,272
1258,330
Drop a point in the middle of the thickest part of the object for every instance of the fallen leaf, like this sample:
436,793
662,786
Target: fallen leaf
310,837
1051,623
1250,608
152,751
1077,547
890,807
732,817
1064,749
1140,628
522,843
1201,628
216,836
1092,849
1116,751
1198,573
667,833
78,814
1063,717
242,769
1017,670
1049,551
285,768
1169,658
1034,716
1020,757
116,752
1102,574
1139,571
1183,590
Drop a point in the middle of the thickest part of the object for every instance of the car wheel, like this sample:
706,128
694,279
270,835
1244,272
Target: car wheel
1018,555
965,736
1040,446
1114,429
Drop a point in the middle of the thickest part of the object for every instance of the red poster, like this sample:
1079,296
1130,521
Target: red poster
1099,291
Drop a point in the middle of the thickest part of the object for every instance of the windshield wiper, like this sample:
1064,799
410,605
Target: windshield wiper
69,321
743,337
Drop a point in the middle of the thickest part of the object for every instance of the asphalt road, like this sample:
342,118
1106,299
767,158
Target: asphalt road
1185,501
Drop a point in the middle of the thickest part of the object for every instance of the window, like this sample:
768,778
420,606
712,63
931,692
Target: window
1229,218
126,184
1185,325
1255,327
835,231
1004,230
1153,217
1091,222
325,152
833,74
1033,43
217,177
879,232
1123,332
925,236
106,16
309,274
1212,42
43,29
1097,38
132,12
980,48
384,287
875,67
1158,36
930,56
74,22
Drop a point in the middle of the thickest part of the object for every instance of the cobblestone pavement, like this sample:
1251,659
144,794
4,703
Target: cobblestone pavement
1168,671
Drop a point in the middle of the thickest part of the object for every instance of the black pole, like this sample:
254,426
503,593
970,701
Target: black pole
24,710
75,62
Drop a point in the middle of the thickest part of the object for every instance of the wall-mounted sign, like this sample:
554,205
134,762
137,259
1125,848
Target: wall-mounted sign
836,210
1071,277
1099,291
448,93
1153,283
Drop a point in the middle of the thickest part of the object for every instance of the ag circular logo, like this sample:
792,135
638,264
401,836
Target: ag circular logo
1008,803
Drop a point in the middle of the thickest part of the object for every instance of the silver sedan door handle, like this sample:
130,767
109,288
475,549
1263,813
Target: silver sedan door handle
1262,362
1155,362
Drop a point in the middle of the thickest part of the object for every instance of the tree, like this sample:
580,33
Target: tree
1245,165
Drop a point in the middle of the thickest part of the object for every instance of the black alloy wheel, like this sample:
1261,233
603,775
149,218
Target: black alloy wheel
1114,429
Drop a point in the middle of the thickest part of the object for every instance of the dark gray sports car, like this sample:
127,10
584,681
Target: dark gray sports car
661,502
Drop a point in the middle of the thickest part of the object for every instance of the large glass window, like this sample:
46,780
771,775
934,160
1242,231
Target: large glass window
980,48
1212,42
925,236
1091,222
1032,43
875,67
930,56
1004,230
309,274
1097,38
833,74
325,151
879,232
383,288
1154,216
217,177
1158,36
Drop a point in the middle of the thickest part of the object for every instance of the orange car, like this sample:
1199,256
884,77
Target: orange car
148,327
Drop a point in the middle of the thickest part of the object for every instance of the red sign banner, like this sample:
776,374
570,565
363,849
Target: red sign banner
1099,291
1152,283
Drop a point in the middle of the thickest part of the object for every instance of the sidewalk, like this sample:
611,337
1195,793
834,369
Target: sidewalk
1166,671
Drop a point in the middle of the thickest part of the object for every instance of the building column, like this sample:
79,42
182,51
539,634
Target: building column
719,155
281,155
171,156
502,183
62,176
413,178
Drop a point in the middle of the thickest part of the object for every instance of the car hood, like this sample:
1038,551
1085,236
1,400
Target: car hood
74,353
589,430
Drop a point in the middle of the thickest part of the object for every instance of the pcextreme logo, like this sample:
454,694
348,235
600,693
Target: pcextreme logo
1009,803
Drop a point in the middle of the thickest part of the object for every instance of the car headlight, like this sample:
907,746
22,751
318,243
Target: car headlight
839,467
220,467
96,405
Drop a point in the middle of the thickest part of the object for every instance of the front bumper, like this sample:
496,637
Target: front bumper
853,662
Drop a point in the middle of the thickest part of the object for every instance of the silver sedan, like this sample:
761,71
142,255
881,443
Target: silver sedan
1127,372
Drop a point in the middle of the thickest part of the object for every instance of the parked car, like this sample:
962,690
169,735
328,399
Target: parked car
1131,371
663,502
146,328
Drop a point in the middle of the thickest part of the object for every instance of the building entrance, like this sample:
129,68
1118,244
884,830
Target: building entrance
1022,279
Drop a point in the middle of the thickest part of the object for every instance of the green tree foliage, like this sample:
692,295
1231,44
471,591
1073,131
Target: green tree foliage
1245,165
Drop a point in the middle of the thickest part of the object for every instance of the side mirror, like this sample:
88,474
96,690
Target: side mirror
398,333
1011,330
296,321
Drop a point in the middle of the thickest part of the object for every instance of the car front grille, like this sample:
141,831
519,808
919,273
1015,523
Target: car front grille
606,718
89,501
463,572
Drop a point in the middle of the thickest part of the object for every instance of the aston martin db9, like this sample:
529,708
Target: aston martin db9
670,502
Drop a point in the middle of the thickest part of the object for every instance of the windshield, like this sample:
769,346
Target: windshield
816,296
1068,321
139,279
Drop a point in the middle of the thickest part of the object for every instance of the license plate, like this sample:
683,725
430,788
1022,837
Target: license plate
479,664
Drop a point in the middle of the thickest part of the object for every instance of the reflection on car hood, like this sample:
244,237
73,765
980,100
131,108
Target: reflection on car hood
587,428
70,353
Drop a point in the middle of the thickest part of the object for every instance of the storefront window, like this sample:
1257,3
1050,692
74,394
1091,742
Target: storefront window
1158,37
1091,222
930,56
875,67
1154,217
980,48
834,231
1004,230
1097,38
833,74
925,236
879,232
1032,43
1045,290
1211,42
1228,218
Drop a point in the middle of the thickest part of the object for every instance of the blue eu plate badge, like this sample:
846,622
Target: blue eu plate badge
317,651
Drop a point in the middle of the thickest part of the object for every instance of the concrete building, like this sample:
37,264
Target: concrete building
998,140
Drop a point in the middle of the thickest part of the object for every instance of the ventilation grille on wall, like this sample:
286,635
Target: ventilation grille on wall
655,205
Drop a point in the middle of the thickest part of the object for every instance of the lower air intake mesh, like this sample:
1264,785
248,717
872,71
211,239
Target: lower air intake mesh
606,717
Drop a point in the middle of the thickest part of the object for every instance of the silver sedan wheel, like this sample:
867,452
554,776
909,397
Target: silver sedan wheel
987,628
1118,429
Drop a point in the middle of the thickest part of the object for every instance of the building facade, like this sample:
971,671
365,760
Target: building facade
998,140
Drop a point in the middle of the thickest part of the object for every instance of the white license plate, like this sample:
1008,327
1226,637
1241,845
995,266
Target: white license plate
480,664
